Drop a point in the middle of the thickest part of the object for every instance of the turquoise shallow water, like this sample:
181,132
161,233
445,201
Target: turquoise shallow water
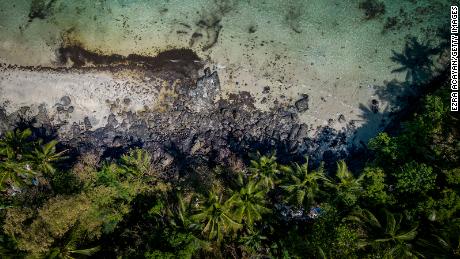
148,26
338,52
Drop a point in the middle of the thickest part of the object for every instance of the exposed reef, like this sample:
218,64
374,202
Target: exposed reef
183,61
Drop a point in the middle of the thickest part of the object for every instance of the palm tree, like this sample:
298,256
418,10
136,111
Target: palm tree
45,156
264,170
14,170
136,162
348,186
68,248
301,185
444,243
14,174
249,203
179,213
251,244
385,234
14,143
216,217
70,251
180,218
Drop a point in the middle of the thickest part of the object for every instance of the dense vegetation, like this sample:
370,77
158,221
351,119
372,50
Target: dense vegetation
405,203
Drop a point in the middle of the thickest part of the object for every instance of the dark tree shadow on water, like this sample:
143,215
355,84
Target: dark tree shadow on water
416,61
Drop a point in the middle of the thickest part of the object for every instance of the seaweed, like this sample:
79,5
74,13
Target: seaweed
205,31
293,15
40,9
252,29
390,23
225,6
372,8
209,23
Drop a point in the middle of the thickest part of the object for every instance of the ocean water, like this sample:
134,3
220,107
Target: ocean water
336,51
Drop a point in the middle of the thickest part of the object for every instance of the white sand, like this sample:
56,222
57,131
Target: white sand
94,95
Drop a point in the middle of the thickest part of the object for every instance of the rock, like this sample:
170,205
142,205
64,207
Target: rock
302,104
303,131
87,123
65,100
266,90
375,106
167,160
227,129
294,131
207,88
112,121
207,72
75,129
117,141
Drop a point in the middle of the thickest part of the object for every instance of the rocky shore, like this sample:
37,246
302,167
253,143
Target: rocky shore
191,126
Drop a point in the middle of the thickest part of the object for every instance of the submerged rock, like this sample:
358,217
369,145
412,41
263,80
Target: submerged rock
302,104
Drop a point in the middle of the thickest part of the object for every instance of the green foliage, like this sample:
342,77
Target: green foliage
265,170
301,185
15,144
374,186
69,249
385,147
249,204
136,162
453,177
443,242
346,242
14,170
443,208
23,161
124,208
215,217
44,157
75,218
323,233
385,235
415,178
348,187
181,245
252,243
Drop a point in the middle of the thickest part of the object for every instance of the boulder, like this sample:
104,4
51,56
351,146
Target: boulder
302,104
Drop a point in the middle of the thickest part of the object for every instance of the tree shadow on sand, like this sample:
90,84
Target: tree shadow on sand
402,99
422,77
